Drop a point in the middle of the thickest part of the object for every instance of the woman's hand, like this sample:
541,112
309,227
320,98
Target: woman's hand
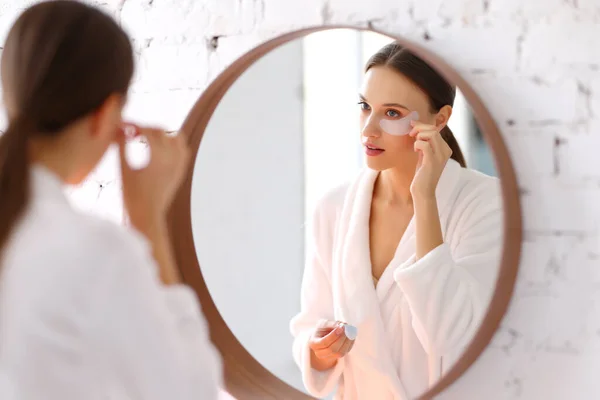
434,152
148,192
328,343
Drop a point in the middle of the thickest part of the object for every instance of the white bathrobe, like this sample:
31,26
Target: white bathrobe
417,321
83,314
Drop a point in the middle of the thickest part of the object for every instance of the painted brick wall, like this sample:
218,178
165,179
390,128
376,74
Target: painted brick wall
535,63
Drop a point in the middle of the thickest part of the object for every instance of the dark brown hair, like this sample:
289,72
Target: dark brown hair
437,89
61,61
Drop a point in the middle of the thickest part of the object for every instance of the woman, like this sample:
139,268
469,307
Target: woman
407,252
88,309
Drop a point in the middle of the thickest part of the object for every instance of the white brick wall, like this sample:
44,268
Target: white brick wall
535,63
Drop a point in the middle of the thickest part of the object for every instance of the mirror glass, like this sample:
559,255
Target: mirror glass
337,240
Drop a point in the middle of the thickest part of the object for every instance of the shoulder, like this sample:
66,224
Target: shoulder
115,237
333,199
67,265
325,214
104,238
476,188
329,206
121,250
477,205
74,247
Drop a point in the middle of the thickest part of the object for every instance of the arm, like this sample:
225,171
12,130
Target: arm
154,337
156,232
448,289
316,303
427,225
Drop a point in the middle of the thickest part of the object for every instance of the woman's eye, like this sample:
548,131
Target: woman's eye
392,113
363,105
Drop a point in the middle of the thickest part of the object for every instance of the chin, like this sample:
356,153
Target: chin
377,165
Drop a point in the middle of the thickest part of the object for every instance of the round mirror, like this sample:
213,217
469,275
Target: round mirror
351,221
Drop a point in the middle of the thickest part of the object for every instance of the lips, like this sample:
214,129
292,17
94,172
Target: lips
373,151
372,147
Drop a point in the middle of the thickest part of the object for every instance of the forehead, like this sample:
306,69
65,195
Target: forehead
383,85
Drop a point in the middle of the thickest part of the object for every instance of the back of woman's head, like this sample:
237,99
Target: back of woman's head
439,91
61,61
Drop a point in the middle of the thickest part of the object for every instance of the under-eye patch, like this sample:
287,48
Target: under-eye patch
399,127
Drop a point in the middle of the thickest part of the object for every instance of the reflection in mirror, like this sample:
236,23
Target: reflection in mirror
339,236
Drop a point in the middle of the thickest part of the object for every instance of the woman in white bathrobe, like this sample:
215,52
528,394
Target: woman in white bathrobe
408,252
88,310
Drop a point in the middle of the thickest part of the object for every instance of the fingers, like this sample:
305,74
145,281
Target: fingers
425,132
425,148
158,140
421,127
324,327
338,349
155,137
329,339
346,347
158,137
130,130
431,135
329,352
127,131
338,344
326,355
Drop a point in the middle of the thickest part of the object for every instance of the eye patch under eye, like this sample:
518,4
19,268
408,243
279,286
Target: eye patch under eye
399,127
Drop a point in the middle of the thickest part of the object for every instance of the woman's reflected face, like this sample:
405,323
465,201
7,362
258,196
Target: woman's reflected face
387,94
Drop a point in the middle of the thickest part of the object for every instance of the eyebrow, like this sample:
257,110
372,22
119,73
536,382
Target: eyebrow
362,98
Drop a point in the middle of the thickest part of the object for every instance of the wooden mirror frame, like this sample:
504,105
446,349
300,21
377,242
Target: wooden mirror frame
244,377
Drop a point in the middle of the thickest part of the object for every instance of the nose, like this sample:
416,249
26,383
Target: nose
371,128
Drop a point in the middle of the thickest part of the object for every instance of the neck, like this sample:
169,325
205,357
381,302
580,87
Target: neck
55,157
393,186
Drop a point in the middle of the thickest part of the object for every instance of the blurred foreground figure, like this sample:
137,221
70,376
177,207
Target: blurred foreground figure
88,310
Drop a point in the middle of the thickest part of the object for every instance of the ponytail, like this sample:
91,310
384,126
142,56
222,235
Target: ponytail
14,178
61,61
457,154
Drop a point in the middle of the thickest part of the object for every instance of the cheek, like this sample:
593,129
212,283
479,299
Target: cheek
399,144
429,119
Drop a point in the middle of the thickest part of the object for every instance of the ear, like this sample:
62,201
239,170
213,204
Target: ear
107,118
442,117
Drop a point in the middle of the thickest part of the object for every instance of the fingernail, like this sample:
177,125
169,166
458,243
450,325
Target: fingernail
339,330
130,131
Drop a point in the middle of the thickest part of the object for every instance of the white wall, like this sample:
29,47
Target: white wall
535,63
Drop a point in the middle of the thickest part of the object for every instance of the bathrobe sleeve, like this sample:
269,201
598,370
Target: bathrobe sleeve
316,303
154,337
449,289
